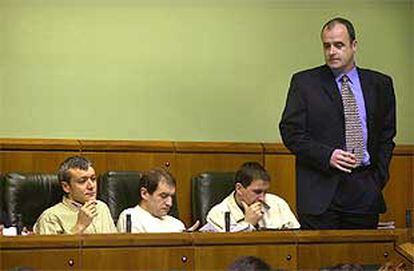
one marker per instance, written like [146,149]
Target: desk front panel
[200,251]
[138,258]
[41,259]
[317,255]
[218,257]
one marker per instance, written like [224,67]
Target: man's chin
[334,66]
[160,215]
[90,198]
[164,213]
[337,69]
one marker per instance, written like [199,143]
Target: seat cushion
[207,190]
[27,195]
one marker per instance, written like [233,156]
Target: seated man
[79,211]
[249,206]
[155,198]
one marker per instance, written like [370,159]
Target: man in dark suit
[342,158]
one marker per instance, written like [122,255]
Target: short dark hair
[249,263]
[338,20]
[250,171]
[151,178]
[73,162]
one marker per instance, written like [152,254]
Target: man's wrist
[78,229]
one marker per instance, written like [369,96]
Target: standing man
[339,121]
[80,211]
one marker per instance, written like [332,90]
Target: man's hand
[85,216]
[342,160]
[252,213]
[194,226]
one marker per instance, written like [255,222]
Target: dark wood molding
[39,144]
[33,144]
[219,147]
[126,146]
[275,148]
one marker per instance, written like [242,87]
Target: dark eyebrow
[84,178]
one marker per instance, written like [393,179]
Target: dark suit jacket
[312,126]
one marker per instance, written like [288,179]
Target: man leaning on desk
[249,206]
[80,211]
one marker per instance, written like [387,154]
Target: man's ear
[144,193]
[354,46]
[65,187]
[238,187]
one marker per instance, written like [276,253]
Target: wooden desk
[137,252]
[200,251]
[40,252]
[217,251]
[407,251]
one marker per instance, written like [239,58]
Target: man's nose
[169,201]
[332,50]
[260,197]
[90,184]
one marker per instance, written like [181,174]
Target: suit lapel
[331,89]
[367,91]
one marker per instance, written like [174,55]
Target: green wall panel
[179,70]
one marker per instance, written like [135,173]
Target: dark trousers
[356,205]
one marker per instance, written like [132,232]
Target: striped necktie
[353,128]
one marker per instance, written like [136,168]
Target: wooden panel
[42,259]
[221,256]
[341,236]
[40,252]
[246,238]
[191,164]
[126,145]
[283,180]
[278,248]
[327,248]
[138,258]
[33,161]
[39,241]
[105,161]
[156,251]
[136,239]
[406,250]
[39,144]
[315,256]
[398,192]
[218,147]
[201,251]
[275,148]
